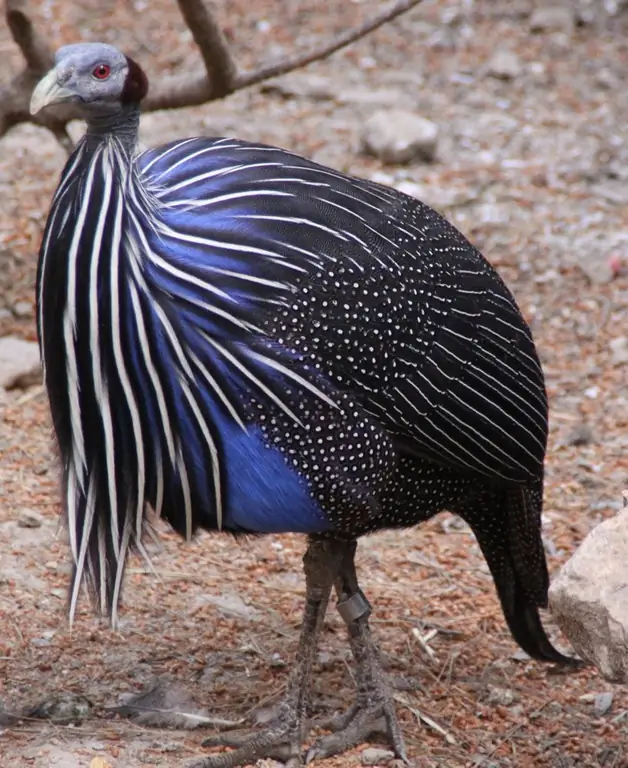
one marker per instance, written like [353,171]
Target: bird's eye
[101,72]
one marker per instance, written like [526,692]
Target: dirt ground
[534,170]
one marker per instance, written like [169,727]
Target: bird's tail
[507,525]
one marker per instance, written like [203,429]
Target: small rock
[553,18]
[589,598]
[603,703]
[580,434]
[22,309]
[596,266]
[500,697]
[368,96]
[504,65]
[301,86]
[619,350]
[28,518]
[436,197]
[606,78]
[376,756]
[614,191]
[20,364]
[233,605]
[399,137]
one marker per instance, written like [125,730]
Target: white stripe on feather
[251,377]
[160,154]
[289,374]
[208,202]
[80,561]
[123,376]
[153,375]
[100,388]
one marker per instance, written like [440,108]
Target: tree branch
[15,97]
[211,42]
[219,79]
[35,50]
[194,89]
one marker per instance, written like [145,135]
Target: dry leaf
[99,762]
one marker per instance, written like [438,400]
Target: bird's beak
[48,91]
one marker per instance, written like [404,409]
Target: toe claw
[366,725]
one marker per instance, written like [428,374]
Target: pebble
[20,364]
[619,350]
[28,518]
[301,86]
[596,267]
[580,434]
[377,756]
[498,696]
[603,703]
[399,137]
[378,97]
[504,65]
[553,18]
[23,309]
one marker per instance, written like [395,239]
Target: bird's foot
[367,721]
[373,715]
[281,739]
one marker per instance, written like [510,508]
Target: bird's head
[96,78]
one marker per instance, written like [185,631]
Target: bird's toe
[356,727]
[279,741]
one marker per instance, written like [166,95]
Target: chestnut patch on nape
[135,85]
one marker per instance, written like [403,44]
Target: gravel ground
[533,170]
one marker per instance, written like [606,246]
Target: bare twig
[211,42]
[265,72]
[423,641]
[15,97]
[422,717]
[219,79]
[192,90]
[34,48]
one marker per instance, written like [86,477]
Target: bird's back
[366,289]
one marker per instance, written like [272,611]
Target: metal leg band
[354,607]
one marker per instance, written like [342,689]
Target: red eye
[101,72]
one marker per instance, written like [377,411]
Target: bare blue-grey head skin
[98,82]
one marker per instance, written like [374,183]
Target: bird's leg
[283,737]
[373,714]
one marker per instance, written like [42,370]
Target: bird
[237,339]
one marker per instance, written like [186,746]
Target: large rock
[589,599]
[398,137]
[20,364]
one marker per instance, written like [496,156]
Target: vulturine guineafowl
[246,341]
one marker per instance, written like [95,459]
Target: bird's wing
[368,288]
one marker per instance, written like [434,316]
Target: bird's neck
[123,124]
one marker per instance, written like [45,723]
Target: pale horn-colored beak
[48,91]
